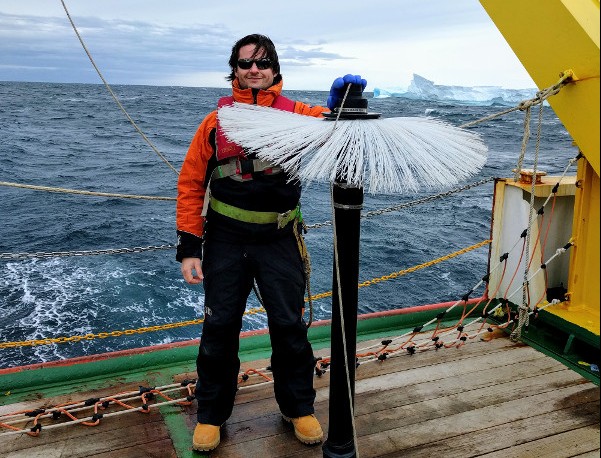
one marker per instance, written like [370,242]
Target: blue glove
[337,90]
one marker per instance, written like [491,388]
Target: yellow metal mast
[551,37]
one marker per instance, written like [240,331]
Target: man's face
[253,78]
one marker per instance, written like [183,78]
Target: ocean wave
[93,148]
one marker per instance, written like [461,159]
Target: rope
[253,311]
[525,105]
[86,193]
[490,117]
[384,351]
[525,306]
[502,261]
[525,139]
[145,394]
[542,95]
[100,335]
[413,203]
[58,254]
[369,214]
[558,252]
[304,252]
[113,95]
[379,355]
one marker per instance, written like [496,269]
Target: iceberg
[421,88]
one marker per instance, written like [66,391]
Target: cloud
[295,55]
[154,43]
[134,52]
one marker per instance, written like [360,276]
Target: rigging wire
[78,191]
[524,308]
[368,214]
[248,312]
[113,95]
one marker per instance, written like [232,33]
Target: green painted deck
[493,399]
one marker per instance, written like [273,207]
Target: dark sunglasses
[262,64]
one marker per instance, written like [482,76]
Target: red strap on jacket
[226,148]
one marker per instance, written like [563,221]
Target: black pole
[347,203]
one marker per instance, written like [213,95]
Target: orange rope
[516,269]
[253,371]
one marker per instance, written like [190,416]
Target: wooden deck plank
[593,454]
[519,438]
[157,449]
[578,442]
[390,389]
[419,433]
[421,418]
[423,399]
[488,399]
[248,408]
[415,370]
[98,441]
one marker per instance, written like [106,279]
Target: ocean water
[74,136]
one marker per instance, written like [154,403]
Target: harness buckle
[245,167]
[284,218]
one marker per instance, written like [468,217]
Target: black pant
[229,270]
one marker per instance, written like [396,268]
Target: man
[247,235]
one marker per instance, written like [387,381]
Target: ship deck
[487,398]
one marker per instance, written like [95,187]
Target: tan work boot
[206,437]
[306,429]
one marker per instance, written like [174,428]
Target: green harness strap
[282,219]
[250,216]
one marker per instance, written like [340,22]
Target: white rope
[525,139]
[524,308]
[113,95]
[106,415]
[81,406]
[78,191]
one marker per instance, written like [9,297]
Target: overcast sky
[188,42]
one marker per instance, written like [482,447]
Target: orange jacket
[191,183]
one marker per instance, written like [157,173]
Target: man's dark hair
[261,42]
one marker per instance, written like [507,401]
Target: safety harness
[232,164]
[250,216]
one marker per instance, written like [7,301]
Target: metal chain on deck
[372,213]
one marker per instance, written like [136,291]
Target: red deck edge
[186,343]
